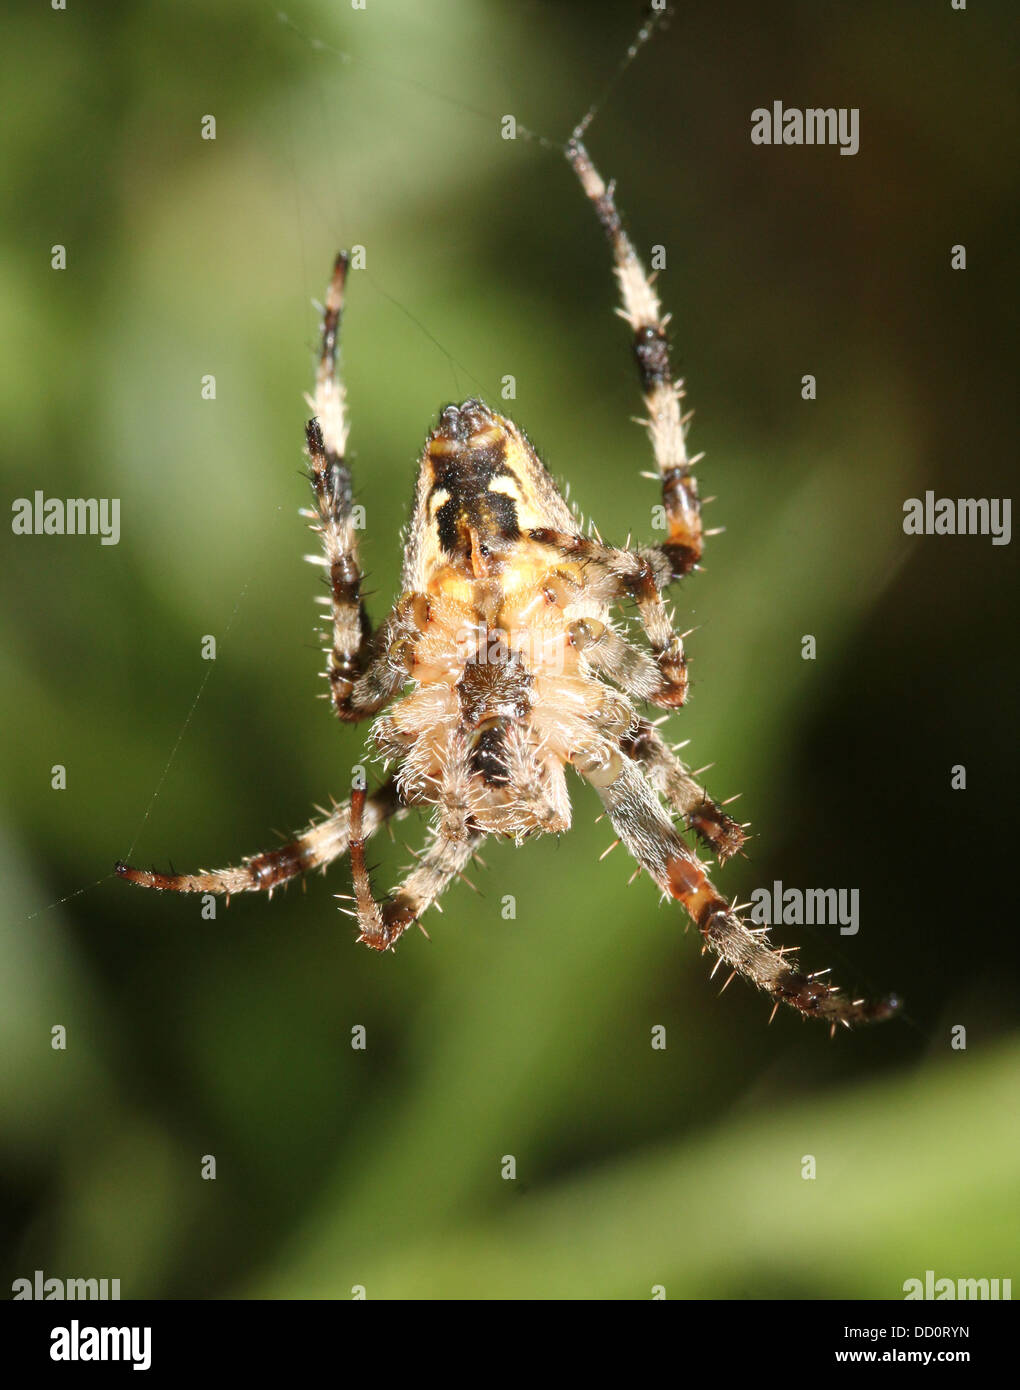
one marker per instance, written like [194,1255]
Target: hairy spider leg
[642,824]
[314,848]
[361,676]
[671,779]
[621,574]
[382,924]
[681,551]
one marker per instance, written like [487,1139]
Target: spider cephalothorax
[505,661]
[503,641]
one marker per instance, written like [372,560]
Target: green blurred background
[531,1037]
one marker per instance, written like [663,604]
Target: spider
[502,663]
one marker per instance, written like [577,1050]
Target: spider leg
[314,848]
[644,827]
[383,924]
[681,551]
[361,679]
[612,657]
[541,800]
[612,573]
[673,780]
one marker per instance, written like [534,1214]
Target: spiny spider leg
[681,551]
[334,499]
[668,775]
[314,848]
[609,654]
[625,573]
[361,679]
[382,925]
[632,803]
[644,827]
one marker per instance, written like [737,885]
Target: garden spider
[504,633]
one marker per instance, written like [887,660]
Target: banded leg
[382,925]
[625,573]
[666,426]
[644,827]
[356,684]
[673,780]
[314,848]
